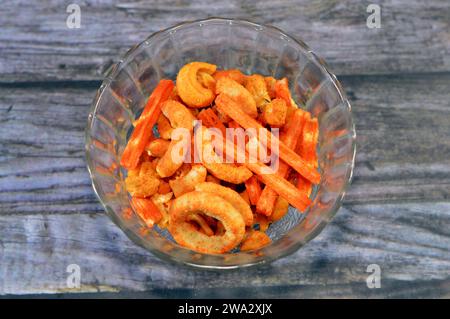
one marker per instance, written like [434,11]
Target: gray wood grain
[36,249]
[403,145]
[36,45]
[42,166]
[396,213]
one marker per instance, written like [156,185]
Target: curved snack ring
[231,196]
[179,117]
[173,158]
[211,205]
[190,89]
[228,172]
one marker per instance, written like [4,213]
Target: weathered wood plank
[49,216]
[391,289]
[403,124]
[42,166]
[403,149]
[410,243]
[36,45]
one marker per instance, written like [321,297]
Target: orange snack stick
[257,150]
[244,196]
[266,202]
[255,240]
[146,210]
[244,100]
[282,91]
[190,90]
[253,189]
[290,137]
[230,107]
[233,124]
[256,85]
[280,185]
[233,74]
[143,130]
[222,117]
[304,185]
[307,149]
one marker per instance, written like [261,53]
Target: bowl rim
[109,77]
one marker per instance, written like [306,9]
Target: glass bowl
[252,48]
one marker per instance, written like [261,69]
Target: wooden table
[396,213]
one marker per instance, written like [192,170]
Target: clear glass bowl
[227,43]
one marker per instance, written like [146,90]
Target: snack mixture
[219,156]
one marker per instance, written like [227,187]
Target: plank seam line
[96,83]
